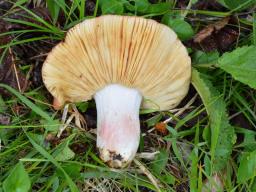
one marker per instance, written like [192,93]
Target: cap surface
[127,50]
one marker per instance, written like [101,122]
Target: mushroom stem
[118,125]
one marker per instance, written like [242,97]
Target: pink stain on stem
[119,131]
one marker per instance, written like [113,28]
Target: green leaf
[18,180]
[82,106]
[247,167]
[207,165]
[240,63]
[239,4]
[159,8]
[43,152]
[112,7]
[54,8]
[144,7]
[160,162]
[154,120]
[249,142]
[222,133]
[139,6]
[201,57]
[65,154]
[181,27]
[168,178]
[51,126]
[72,169]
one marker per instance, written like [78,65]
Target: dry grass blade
[151,177]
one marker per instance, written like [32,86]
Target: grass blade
[27,102]
[43,152]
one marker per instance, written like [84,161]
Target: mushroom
[124,63]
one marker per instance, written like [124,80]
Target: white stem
[118,125]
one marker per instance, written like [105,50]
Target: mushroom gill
[124,63]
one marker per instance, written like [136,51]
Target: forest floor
[207,143]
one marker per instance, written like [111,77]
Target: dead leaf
[208,30]
[216,36]
[213,185]
[226,37]
[79,148]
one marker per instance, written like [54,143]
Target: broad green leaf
[140,6]
[65,154]
[200,57]
[249,142]
[168,178]
[159,8]
[207,165]
[238,4]
[55,183]
[73,169]
[247,167]
[112,7]
[240,63]
[51,126]
[181,27]
[222,133]
[18,180]
[144,7]
[82,106]
[160,162]
[39,139]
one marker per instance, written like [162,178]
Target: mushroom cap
[127,50]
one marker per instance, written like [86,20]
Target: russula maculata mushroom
[119,61]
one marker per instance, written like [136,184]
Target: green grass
[215,135]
